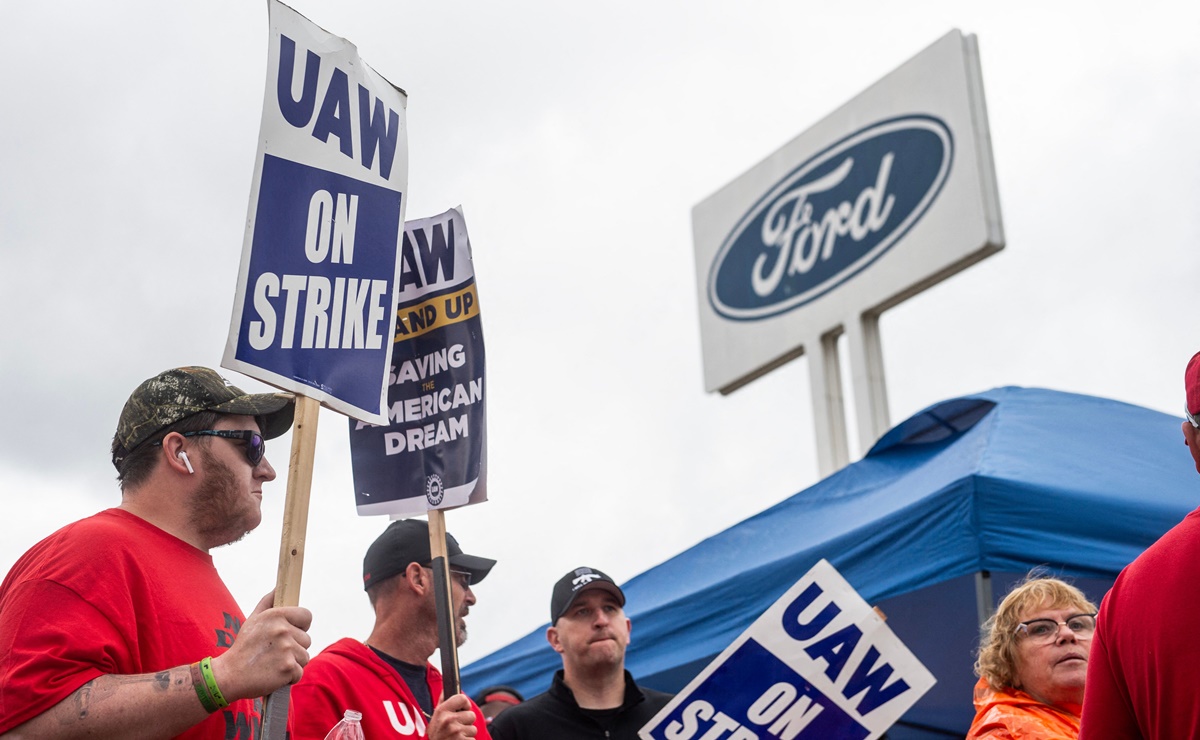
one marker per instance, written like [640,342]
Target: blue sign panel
[831,217]
[759,696]
[316,310]
[317,288]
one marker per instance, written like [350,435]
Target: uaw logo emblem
[434,491]
[831,217]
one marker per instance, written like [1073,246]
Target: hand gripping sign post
[433,454]
[317,282]
[820,664]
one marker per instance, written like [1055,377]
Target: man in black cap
[593,696]
[388,678]
[120,621]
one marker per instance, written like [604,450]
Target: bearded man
[118,626]
[388,677]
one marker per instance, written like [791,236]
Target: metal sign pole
[446,618]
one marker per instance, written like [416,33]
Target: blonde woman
[1032,663]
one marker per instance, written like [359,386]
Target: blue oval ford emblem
[831,217]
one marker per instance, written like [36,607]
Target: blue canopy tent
[1000,483]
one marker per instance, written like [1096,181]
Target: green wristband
[206,701]
[211,682]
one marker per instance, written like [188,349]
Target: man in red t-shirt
[118,625]
[1141,680]
[388,677]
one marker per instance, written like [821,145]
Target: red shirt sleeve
[43,659]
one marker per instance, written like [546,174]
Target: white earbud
[183,456]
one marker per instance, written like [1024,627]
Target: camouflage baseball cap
[174,395]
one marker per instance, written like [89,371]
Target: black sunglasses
[255,446]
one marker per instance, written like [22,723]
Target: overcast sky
[577,137]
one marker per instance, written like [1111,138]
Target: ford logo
[831,217]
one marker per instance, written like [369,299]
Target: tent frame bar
[983,596]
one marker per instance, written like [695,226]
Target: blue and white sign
[317,285]
[433,452]
[886,196]
[820,664]
[831,217]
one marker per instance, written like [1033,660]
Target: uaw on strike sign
[316,290]
[820,664]
[433,452]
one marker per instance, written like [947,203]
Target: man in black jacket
[593,696]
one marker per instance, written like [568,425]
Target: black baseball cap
[407,541]
[576,582]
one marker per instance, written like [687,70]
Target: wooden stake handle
[295,507]
[291,542]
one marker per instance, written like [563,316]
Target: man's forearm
[141,707]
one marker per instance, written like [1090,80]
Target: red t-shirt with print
[113,594]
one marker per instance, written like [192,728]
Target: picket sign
[818,664]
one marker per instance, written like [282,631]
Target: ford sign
[831,217]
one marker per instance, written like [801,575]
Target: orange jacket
[1011,714]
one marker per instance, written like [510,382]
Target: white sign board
[316,293]
[820,664]
[886,196]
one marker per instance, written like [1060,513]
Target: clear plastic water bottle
[348,729]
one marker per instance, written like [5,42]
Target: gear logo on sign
[434,492]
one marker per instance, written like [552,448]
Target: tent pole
[983,596]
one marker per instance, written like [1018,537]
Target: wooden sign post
[292,539]
[295,506]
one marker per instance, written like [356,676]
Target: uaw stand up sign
[432,454]
[820,664]
[886,196]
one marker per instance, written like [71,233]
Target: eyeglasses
[255,446]
[1045,631]
[1188,415]
[463,577]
